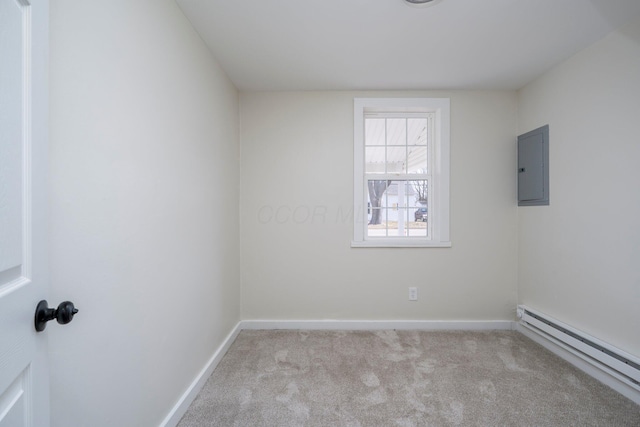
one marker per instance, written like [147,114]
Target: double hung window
[401,172]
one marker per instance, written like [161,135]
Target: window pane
[417,131]
[377,194]
[374,160]
[374,133]
[398,193]
[396,159]
[398,223]
[419,210]
[392,221]
[417,229]
[419,214]
[396,131]
[419,193]
[417,158]
[377,226]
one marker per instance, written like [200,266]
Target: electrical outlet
[413,294]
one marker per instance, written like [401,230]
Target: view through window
[397,173]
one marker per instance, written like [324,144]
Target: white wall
[144,170]
[296,193]
[579,257]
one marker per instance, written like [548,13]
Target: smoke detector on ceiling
[421,3]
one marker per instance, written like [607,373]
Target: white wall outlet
[413,294]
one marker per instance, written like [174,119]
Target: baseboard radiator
[600,354]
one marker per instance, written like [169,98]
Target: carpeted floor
[401,378]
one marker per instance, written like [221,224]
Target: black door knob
[63,314]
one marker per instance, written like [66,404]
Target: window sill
[389,243]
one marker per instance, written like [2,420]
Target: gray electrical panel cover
[533,167]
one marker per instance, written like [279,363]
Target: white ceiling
[387,44]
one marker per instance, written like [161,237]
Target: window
[401,172]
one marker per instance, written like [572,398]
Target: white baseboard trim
[176,413]
[599,372]
[369,325]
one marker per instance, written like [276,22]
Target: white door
[24,379]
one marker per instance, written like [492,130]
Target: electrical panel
[533,167]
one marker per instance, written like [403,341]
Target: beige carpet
[401,378]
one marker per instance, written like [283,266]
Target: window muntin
[401,172]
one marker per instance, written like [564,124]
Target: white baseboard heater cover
[593,350]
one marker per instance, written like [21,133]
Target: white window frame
[439,215]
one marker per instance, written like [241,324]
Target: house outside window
[401,172]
